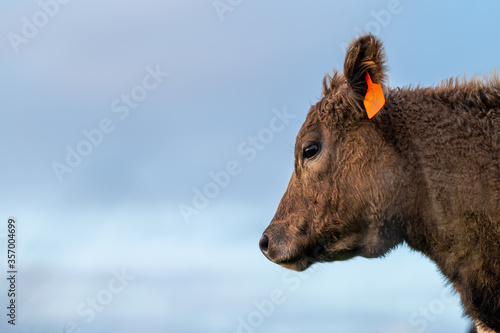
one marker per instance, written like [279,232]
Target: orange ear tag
[374,99]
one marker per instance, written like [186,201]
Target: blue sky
[220,79]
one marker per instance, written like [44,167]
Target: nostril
[264,243]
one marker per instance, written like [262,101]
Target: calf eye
[311,150]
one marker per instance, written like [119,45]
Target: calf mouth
[295,263]
[302,262]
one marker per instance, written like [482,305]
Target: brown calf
[424,171]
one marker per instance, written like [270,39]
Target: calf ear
[365,54]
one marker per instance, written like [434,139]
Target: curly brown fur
[425,171]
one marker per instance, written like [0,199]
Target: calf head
[344,197]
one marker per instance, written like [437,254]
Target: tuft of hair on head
[330,83]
